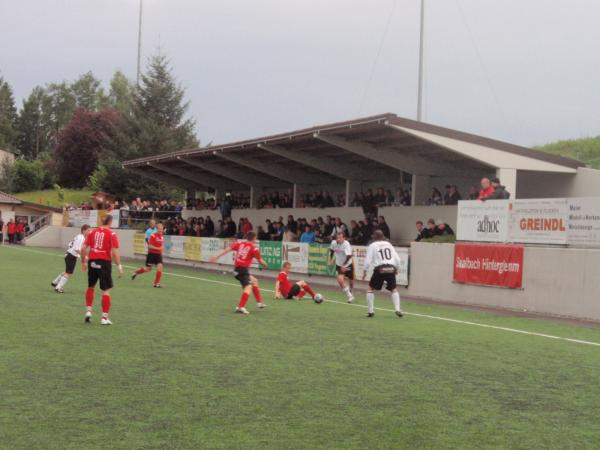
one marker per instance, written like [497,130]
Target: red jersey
[245,252]
[11,228]
[101,241]
[157,240]
[20,227]
[485,193]
[284,283]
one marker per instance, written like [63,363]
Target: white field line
[426,316]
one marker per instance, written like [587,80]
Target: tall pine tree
[89,93]
[8,117]
[159,122]
[121,94]
[33,131]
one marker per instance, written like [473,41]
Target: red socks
[244,300]
[157,277]
[140,270]
[105,303]
[89,297]
[256,293]
[301,294]
[308,289]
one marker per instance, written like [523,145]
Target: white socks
[57,279]
[396,300]
[62,282]
[346,291]
[371,302]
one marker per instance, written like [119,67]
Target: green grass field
[179,370]
[50,197]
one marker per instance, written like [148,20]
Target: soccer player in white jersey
[383,258]
[341,251]
[70,260]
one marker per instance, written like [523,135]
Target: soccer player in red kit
[154,257]
[245,252]
[104,247]
[285,289]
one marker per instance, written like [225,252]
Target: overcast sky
[524,71]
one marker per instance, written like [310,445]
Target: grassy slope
[179,370]
[50,197]
[586,150]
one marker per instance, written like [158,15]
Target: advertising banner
[80,217]
[210,247]
[318,260]
[139,244]
[192,248]
[539,221]
[483,221]
[583,223]
[489,264]
[101,214]
[297,254]
[173,247]
[271,253]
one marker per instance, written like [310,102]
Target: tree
[121,94]
[8,116]
[33,131]
[84,140]
[88,92]
[159,124]
[58,109]
[28,176]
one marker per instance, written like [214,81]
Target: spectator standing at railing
[246,226]
[308,237]
[338,227]
[277,232]
[444,229]
[262,234]
[435,199]
[473,193]
[486,188]
[422,231]
[452,196]
[1,231]
[383,226]
[500,192]
[225,207]
[20,234]
[209,227]
[291,224]
[11,229]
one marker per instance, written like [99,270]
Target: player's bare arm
[215,258]
[117,258]
[83,253]
[262,263]
[277,290]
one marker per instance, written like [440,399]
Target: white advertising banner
[174,247]
[583,224]
[80,217]
[539,221]
[483,221]
[359,254]
[297,254]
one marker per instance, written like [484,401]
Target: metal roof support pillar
[295,196]
[420,190]
[252,197]
[508,178]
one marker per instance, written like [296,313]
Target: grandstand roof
[374,148]
[9,199]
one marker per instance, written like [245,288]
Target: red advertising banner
[489,264]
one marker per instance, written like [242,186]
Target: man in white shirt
[341,251]
[383,258]
[71,256]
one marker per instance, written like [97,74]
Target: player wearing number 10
[104,246]
[384,260]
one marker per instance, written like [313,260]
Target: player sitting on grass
[154,256]
[70,260]
[285,289]
[245,252]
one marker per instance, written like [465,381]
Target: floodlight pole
[421,45]
[139,49]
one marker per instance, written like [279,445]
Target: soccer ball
[318,298]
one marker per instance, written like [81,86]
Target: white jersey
[341,252]
[75,245]
[381,253]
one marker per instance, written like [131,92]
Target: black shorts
[153,259]
[378,278]
[349,273]
[99,269]
[70,262]
[242,275]
[294,291]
